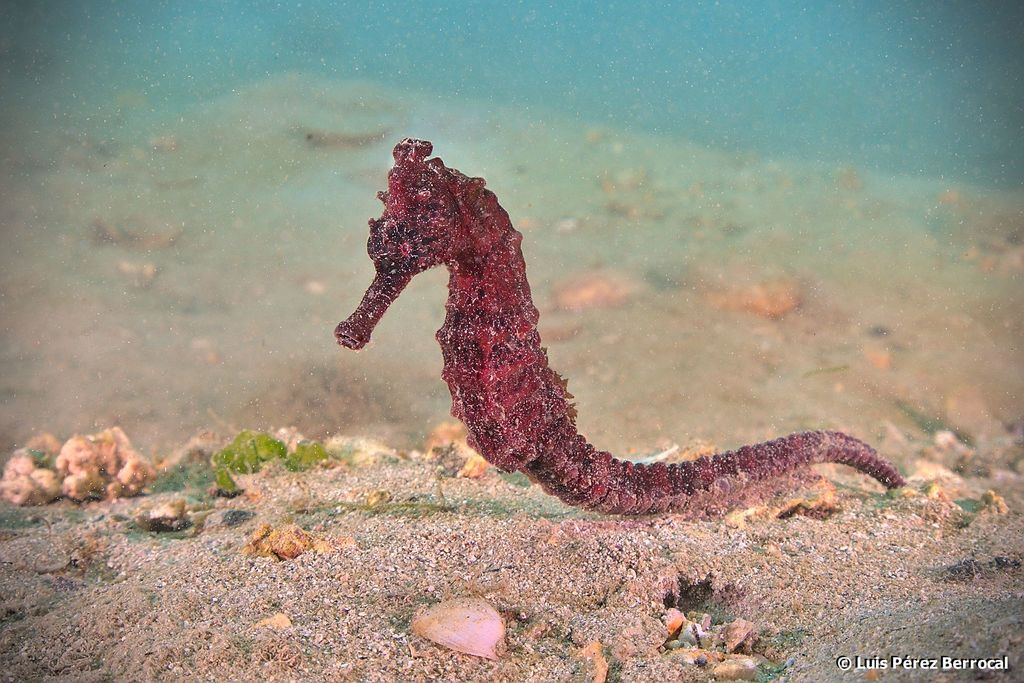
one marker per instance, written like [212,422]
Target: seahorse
[517,410]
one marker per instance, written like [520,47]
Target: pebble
[167,516]
[737,668]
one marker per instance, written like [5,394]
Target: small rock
[474,467]
[695,656]
[739,633]
[276,622]
[674,620]
[819,504]
[595,654]
[736,668]
[359,452]
[692,633]
[926,470]
[169,516]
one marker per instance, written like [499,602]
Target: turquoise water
[184,190]
[900,86]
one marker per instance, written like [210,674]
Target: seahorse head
[417,231]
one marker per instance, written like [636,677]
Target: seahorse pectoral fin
[354,332]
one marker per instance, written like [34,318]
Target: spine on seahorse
[516,408]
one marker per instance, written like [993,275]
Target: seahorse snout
[349,337]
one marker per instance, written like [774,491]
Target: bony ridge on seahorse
[517,409]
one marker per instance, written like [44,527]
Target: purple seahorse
[517,409]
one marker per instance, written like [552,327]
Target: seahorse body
[517,409]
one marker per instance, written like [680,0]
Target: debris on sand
[359,451]
[225,519]
[467,625]
[325,139]
[275,622]
[591,291]
[136,233]
[994,503]
[698,643]
[594,653]
[818,504]
[164,517]
[142,275]
[736,668]
[284,543]
[771,299]
[198,449]
[969,568]
[447,445]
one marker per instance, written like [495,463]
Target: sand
[178,273]
[88,596]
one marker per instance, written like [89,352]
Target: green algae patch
[250,451]
[307,454]
[245,455]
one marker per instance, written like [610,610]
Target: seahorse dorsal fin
[564,384]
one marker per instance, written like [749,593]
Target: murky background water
[739,220]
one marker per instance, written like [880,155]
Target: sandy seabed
[180,274]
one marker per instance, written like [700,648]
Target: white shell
[467,625]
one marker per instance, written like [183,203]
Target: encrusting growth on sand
[104,465]
[516,408]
